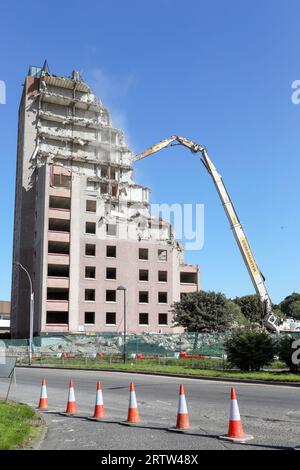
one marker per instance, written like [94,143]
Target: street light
[124,332]
[31,310]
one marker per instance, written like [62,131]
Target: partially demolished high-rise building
[82,224]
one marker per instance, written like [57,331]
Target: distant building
[4,315]
[82,224]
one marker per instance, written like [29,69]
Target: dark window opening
[143,253]
[54,293]
[162,318]
[59,318]
[188,278]
[162,276]
[90,227]
[91,205]
[143,275]
[58,270]
[162,297]
[59,225]
[89,318]
[111,273]
[59,247]
[110,318]
[111,296]
[143,319]
[111,251]
[89,295]
[90,272]
[143,297]
[90,249]
[56,202]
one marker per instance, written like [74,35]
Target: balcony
[59,225]
[58,271]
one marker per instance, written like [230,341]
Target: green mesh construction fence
[147,344]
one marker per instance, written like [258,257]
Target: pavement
[270,413]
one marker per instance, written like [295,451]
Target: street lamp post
[31,310]
[124,329]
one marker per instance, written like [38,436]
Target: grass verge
[179,367]
[19,424]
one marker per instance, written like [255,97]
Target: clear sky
[218,72]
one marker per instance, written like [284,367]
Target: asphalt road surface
[270,413]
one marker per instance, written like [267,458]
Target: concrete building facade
[82,224]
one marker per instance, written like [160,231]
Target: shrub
[250,350]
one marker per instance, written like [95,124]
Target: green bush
[285,352]
[250,350]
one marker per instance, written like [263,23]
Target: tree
[237,318]
[206,312]
[250,350]
[290,306]
[250,307]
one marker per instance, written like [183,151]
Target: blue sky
[218,72]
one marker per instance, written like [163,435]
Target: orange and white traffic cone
[235,428]
[133,413]
[183,421]
[99,412]
[43,403]
[71,405]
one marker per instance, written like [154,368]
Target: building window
[91,205]
[143,297]
[162,297]
[143,253]
[62,181]
[162,276]
[110,318]
[143,275]
[188,278]
[162,255]
[110,296]
[111,273]
[90,249]
[57,202]
[58,318]
[111,230]
[143,319]
[162,318]
[90,227]
[90,272]
[89,318]
[91,185]
[89,295]
[111,251]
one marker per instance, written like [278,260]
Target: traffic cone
[99,406]
[183,421]
[43,403]
[235,428]
[133,413]
[71,405]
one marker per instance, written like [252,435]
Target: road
[270,413]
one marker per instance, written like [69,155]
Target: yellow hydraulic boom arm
[269,319]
